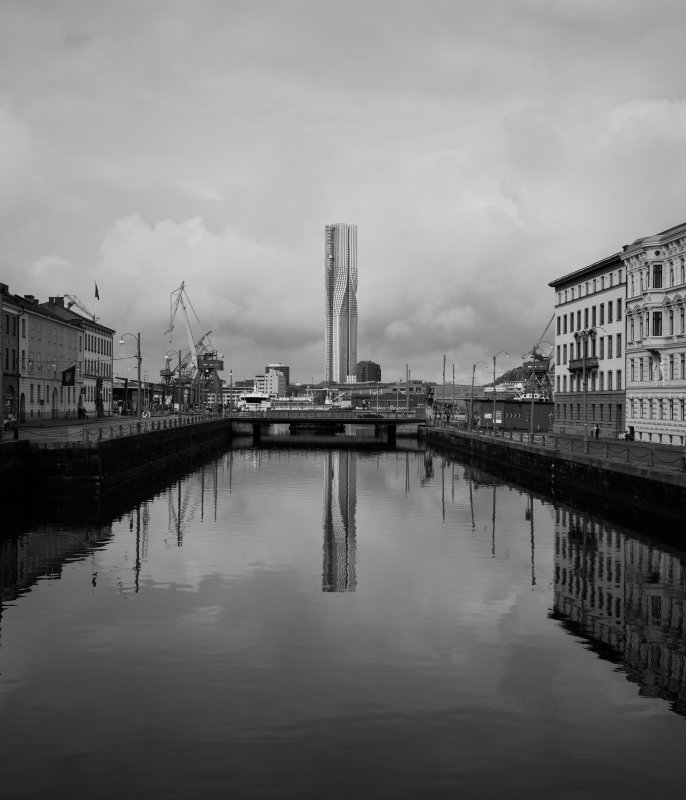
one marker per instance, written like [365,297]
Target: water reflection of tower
[340,500]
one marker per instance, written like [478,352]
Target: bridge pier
[256,433]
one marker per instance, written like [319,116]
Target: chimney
[57,301]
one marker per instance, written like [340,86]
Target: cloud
[482,152]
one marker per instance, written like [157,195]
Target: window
[619,345]
[602,313]
[682,358]
[585,318]
[557,354]
[619,309]
[609,347]
[602,347]
[657,276]
[671,368]
[564,353]
[609,380]
[593,315]
[609,311]
[602,382]
[681,314]
[559,322]
[578,320]
[657,323]
[619,379]
[671,323]
[564,322]
[632,367]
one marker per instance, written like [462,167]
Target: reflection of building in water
[628,597]
[42,553]
[340,500]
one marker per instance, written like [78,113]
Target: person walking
[596,431]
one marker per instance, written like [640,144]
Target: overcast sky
[482,148]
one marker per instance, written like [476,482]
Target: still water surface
[338,624]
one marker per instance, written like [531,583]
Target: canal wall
[91,469]
[607,482]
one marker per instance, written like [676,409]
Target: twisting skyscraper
[340,336]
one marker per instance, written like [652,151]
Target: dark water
[340,624]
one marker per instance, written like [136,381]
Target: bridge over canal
[385,423]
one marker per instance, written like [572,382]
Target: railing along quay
[641,454]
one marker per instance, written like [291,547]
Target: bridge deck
[341,416]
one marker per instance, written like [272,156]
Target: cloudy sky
[482,148]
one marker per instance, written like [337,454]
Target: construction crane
[538,367]
[73,300]
[202,362]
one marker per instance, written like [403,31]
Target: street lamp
[583,337]
[501,352]
[137,337]
[471,399]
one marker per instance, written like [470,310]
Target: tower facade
[340,277]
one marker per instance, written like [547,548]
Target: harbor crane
[73,300]
[199,368]
[538,367]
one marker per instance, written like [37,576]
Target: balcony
[577,364]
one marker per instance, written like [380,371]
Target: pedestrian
[596,430]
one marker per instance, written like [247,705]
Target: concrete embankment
[592,476]
[92,469]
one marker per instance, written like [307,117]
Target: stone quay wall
[98,467]
[590,475]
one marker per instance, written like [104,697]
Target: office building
[282,368]
[340,276]
[367,371]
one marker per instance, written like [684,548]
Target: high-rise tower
[340,277]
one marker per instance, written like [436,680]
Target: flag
[69,376]
[97,293]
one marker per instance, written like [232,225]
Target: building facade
[656,336]
[340,279]
[57,361]
[95,357]
[367,371]
[280,368]
[272,383]
[589,349]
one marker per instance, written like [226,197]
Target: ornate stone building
[656,336]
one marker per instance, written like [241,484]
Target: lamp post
[501,352]
[137,337]
[583,336]
[471,399]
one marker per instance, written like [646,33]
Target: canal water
[338,623]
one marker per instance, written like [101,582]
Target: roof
[597,266]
